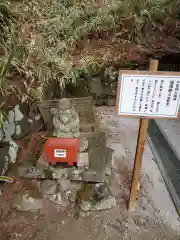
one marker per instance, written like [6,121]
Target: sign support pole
[143,125]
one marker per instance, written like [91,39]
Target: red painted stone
[63,150]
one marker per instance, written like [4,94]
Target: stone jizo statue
[65,120]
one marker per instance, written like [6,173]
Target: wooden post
[143,125]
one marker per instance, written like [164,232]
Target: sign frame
[147,73]
[142,133]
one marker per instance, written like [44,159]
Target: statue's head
[65,110]
[64,104]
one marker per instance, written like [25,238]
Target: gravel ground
[154,216]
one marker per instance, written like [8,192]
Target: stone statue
[65,120]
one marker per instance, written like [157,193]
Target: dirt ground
[154,216]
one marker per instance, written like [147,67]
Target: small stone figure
[65,120]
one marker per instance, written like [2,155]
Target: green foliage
[5,62]
[47,33]
[6,179]
[6,19]
[2,118]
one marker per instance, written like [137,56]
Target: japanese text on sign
[149,95]
[61,153]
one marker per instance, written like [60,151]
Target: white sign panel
[60,153]
[149,95]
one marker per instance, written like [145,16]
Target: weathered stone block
[48,187]
[83,160]
[41,163]
[27,203]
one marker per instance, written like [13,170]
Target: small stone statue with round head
[65,120]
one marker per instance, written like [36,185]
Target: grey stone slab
[65,184]
[83,160]
[41,163]
[33,172]
[48,187]
[60,198]
[97,153]
[85,176]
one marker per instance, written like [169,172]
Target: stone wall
[15,127]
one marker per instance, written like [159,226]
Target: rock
[120,153]
[7,131]
[65,184]
[84,214]
[58,172]
[18,130]
[11,117]
[33,172]
[101,191]
[98,198]
[9,127]
[83,160]
[41,163]
[13,150]
[97,87]
[26,203]
[83,144]
[85,176]
[13,154]
[60,198]
[22,124]
[18,116]
[37,117]
[86,206]
[48,187]
[99,101]
[110,157]
[111,102]
[76,185]
[102,205]
[105,204]
[30,121]
[22,128]
[97,153]
[71,195]
[108,171]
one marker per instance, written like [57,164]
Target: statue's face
[65,115]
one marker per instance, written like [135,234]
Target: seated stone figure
[65,120]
